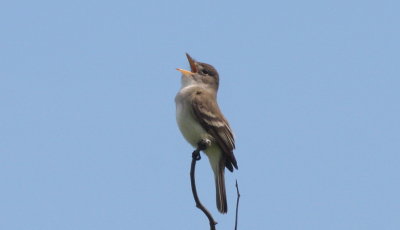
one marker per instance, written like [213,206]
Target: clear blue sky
[88,137]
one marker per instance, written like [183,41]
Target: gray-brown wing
[213,121]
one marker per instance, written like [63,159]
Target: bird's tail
[217,162]
[220,189]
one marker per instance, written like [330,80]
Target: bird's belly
[189,127]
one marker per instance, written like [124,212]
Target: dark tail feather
[220,188]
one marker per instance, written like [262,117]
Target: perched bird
[200,120]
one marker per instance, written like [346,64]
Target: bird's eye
[205,72]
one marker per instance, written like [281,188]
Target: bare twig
[237,204]
[196,157]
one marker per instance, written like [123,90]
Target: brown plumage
[199,117]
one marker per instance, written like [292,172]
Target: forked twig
[237,204]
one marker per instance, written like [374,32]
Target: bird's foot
[203,144]
[196,155]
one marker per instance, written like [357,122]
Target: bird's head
[200,73]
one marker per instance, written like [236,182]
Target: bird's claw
[196,155]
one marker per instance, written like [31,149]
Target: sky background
[88,137]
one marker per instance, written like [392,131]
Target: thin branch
[196,157]
[237,204]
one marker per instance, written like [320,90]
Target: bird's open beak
[184,72]
[192,66]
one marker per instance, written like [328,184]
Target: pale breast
[190,128]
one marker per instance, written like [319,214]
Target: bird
[200,120]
